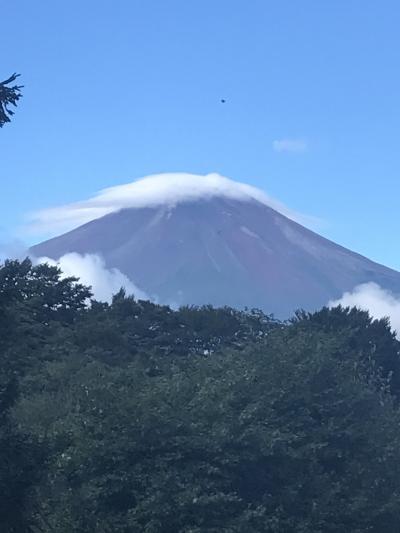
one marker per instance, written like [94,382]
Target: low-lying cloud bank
[91,270]
[371,297]
[150,191]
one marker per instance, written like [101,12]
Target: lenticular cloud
[158,189]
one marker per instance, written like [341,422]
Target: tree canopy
[130,416]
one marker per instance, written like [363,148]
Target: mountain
[222,249]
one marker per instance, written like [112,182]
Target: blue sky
[119,90]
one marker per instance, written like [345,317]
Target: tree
[9,96]
[41,291]
[130,416]
[370,338]
[21,462]
[281,438]
[35,303]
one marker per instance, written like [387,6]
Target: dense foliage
[131,417]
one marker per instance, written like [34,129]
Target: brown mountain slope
[224,252]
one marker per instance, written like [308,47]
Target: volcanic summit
[187,239]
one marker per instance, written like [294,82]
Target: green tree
[282,438]
[34,304]
[21,463]
[361,335]
[130,416]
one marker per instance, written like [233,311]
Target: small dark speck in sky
[223,100]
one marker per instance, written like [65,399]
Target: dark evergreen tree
[9,96]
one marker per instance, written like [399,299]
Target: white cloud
[91,270]
[294,146]
[371,297]
[158,189]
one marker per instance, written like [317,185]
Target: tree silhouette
[9,96]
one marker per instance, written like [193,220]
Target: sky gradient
[119,90]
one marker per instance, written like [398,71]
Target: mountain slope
[222,251]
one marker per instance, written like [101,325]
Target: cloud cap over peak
[151,191]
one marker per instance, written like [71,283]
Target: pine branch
[9,96]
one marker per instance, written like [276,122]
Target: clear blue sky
[115,90]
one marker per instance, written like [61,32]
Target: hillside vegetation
[131,417]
